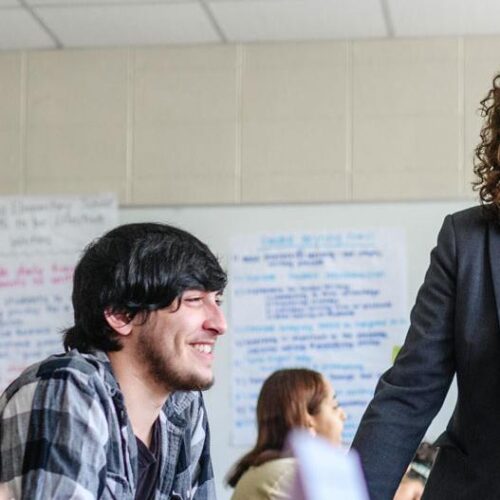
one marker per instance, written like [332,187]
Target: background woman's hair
[285,400]
[487,153]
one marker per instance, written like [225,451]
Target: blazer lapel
[494,255]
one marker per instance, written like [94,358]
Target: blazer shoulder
[469,219]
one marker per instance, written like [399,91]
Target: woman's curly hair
[487,153]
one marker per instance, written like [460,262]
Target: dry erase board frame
[217,224]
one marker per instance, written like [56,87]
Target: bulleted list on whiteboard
[42,239]
[331,301]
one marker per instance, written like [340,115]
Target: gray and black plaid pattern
[64,433]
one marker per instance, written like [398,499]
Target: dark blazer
[454,330]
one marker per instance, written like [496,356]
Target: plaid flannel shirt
[64,433]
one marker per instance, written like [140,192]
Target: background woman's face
[329,421]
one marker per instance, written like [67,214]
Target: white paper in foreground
[325,472]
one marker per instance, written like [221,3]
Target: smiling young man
[120,414]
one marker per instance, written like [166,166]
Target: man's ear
[120,322]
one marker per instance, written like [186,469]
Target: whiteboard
[216,225]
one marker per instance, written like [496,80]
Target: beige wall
[291,122]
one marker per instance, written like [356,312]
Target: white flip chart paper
[41,240]
[333,301]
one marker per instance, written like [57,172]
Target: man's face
[176,344]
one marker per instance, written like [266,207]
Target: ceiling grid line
[70,24]
[387,18]
[59,4]
[31,11]
[211,18]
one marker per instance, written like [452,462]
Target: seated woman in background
[292,398]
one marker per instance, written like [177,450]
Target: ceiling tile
[444,17]
[299,19]
[118,25]
[86,3]
[20,30]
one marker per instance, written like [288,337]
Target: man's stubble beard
[161,367]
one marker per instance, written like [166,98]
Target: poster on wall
[41,241]
[334,302]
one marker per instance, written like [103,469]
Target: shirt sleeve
[409,395]
[53,439]
[203,485]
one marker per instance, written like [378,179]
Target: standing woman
[454,330]
[289,399]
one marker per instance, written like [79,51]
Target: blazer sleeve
[409,395]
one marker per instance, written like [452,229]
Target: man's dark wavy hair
[135,269]
[487,153]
